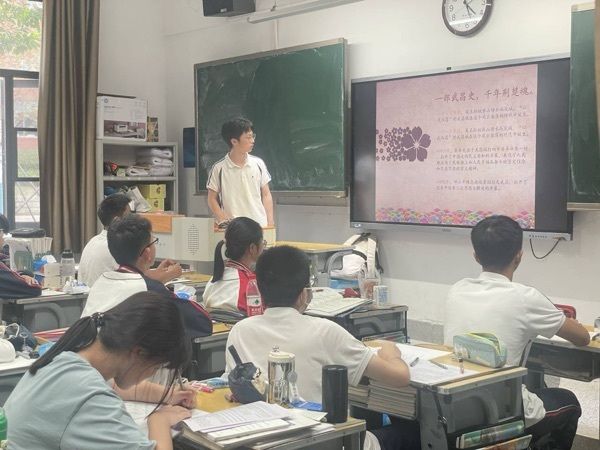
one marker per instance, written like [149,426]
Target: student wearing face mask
[283,274]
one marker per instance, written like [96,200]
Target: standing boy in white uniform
[238,184]
[516,314]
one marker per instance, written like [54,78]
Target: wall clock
[466,17]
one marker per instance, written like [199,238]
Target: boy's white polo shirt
[314,341]
[240,187]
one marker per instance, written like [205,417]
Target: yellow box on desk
[156,204]
[153,190]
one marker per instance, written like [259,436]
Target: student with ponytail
[243,244]
[66,399]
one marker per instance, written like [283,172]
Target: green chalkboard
[584,148]
[296,99]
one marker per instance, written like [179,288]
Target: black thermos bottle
[335,393]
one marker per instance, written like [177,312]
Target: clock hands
[468,5]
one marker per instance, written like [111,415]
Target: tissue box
[121,118]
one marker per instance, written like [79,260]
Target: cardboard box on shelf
[121,118]
[157,204]
[153,190]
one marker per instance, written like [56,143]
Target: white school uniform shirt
[315,342]
[239,188]
[512,311]
[95,259]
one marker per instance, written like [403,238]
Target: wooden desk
[444,409]
[321,256]
[196,280]
[348,436]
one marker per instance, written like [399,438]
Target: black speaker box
[227,8]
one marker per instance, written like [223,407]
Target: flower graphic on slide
[415,144]
[402,144]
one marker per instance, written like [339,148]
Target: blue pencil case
[480,348]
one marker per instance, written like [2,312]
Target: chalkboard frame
[584,149]
[202,168]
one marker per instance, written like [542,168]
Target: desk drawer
[370,323]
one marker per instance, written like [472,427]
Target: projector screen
[444,150]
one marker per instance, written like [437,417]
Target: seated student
[283,274]
[96,258]
[132,245]
[13,285]
[65,400]
[516,314]
[227,288]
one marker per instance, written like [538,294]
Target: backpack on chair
[364,253]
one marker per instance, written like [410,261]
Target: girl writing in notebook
[67,398]
[243,244]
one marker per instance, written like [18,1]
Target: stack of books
[401,402]
[495,435]
[246,425]
[359,395]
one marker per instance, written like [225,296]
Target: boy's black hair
[111,207]
[234,128]
[496,241]
[127,238]
[239,235]
[281,273]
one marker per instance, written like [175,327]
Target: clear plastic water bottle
[67,266]
[253,301]
[3,425]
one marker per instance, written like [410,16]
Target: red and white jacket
[229,293]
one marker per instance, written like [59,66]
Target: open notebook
[328,302]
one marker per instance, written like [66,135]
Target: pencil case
[480,348]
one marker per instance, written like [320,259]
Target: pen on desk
[438,364]
[414,362]
[461,366]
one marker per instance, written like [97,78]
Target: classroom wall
[385,37]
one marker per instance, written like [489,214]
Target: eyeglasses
[252,137]
[154,241]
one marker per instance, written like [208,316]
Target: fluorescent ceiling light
[296,8]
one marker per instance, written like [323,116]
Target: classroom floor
[589,398]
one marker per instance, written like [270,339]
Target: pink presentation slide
[454,148]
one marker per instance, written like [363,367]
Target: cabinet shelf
[123,153]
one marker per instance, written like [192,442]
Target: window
[20,47]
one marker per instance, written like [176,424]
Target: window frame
[10,157]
